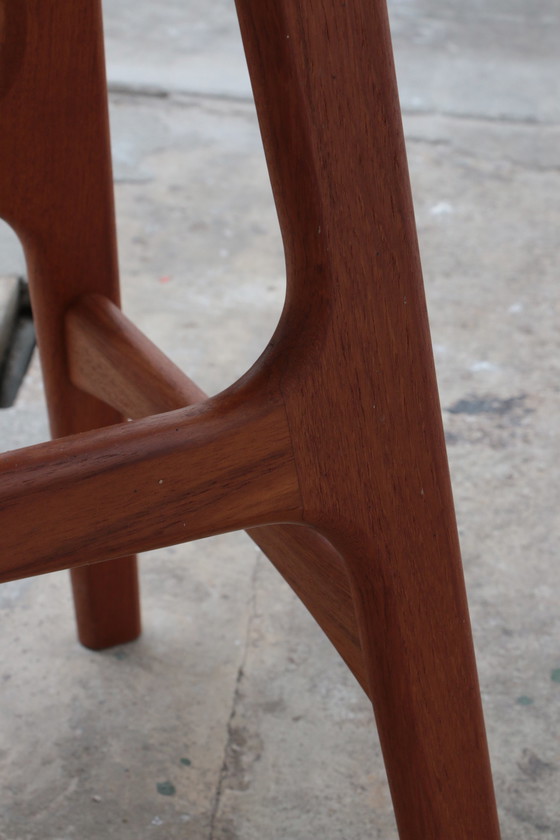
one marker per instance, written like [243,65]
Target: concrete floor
[232,718]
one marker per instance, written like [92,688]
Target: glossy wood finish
[111,359]
[221,466]
[56,192]
[361,398]
[337,426]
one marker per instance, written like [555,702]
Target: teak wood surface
[56,192]
[330,449]
[112,360]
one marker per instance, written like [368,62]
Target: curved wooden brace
[110,358]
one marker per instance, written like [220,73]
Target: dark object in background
[17,348]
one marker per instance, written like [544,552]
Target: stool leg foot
[424,687]
[107,603]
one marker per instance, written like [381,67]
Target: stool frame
[330,450]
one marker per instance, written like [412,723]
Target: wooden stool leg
[56,192]
[107,603]
[415,633]
[361,396]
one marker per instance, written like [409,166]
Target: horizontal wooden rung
[111,359]
[222,466]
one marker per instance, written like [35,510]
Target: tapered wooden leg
[422,678]
[361,397]
[56,192]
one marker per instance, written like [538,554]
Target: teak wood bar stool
[329,450]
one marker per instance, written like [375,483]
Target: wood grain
[337,426]
[110,358]
[360,392]
[179,476]
[56,192]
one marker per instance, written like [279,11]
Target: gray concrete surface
[232,719]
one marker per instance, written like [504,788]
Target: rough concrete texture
[232,719]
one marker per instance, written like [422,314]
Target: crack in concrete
[459,16]
[428,141]
[143,91]
[148,91]
[539,169]
[235,701]
[479,155]
[505,119]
